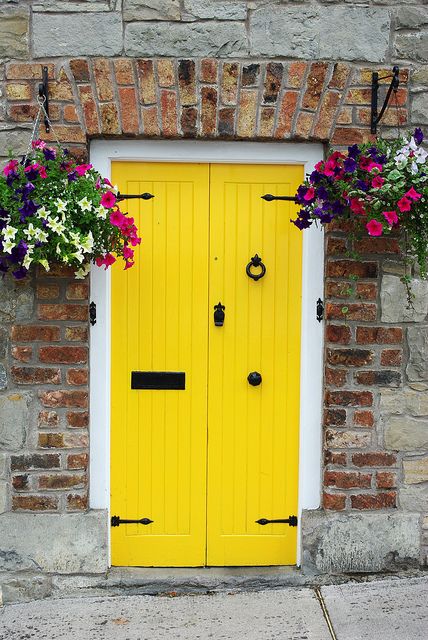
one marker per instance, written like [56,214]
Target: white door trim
[102,153]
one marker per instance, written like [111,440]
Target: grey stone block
[77,34]
[420,109]
[420,76]
[3,378]
[394,300]
[404,401]
[411,17]
[14,23]
[151,10]
[360,33]
[4,461]
[13,421]
[4,492]
[413,46]
[417,367]
[213,9]
[4,337]
[15,140]
[66,543]
[415,470]
[23,588]
[414,497]
[359,542]
[11,561]
[186,39]
[64,6]
[403,433]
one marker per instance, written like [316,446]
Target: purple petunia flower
[20,273]
[28,209]
[418,136]
[27,189]
[362,185]
[19,252]
[11,177]
[354,152]
[349,165]
[50,154]
[326,217]
[72,176]
[322,193]
[32,174]
[315,177]
[302,223]
[337,208]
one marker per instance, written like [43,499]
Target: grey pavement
[394,609]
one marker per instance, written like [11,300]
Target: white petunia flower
[8,245]
[61,206]
[45,264]
[88,243]
[78,255]
[31,231]
[56,225]
[27,261]
[41,235]
[84,204]
[101,212]
[42,212]
[83,271]
[9,233]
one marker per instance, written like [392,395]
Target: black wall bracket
[375,117]
[44,96]
[269,197]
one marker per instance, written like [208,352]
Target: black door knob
[254,378]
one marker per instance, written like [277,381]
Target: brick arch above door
[204,99]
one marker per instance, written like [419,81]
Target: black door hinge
[116,521]
[291,521]
[320,309]
[93,313]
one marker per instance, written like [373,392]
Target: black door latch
[219,314]
[116,521]
[291,521]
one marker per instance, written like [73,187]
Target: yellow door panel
[253,430]
[159,323]
[206,462]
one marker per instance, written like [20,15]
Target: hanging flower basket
[379,187]
[53,210]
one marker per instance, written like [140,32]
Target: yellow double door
[198,447]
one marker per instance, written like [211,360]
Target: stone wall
[220,69]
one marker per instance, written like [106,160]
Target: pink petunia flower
[374,165]
[365,162]
[413,194]
[81,169]
[128,264]
[117,218]
[42,172]
[108,199]
[374,228]
[107,260]
[10,167]
[377,182]
[38,144]
[107,181]
[404,204]
[357,206]
[128,253]
[310,194]
[390,216]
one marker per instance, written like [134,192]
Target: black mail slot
[158,380]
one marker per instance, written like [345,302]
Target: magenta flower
[404,204]
[42,172]
[310,194]
[357,206]
[106,260]
[377,182]
[390,216]
[374,228]
[108,199]
[81,169]
[117,218]
[413,194]
[128,253]
[10,167]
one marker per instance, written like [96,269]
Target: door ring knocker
[256,261]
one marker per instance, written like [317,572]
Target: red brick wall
[50,357]
[362,357]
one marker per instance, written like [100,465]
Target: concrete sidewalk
[394,609]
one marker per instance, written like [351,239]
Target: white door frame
[102,153]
